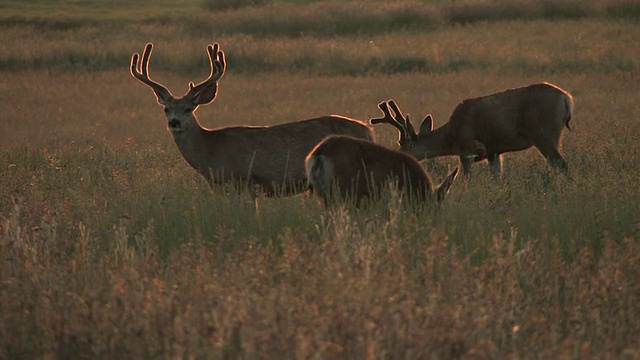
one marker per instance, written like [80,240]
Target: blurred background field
[113,247]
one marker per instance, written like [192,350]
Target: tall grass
[363,290]
[116,248]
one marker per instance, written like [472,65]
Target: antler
[387,118]
[142,73]
[397,120]
[408,126]
[218,65]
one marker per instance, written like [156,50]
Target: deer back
[352,168]
[511,120]
[272,157]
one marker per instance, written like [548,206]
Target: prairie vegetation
[113,247]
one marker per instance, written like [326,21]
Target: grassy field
[113,247]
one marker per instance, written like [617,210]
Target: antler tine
[405,121]
[218,64]
[142,72]
[389,119]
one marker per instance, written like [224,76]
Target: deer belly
[508,145]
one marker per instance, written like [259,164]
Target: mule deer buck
[268,159]
[485,127]
[349,168]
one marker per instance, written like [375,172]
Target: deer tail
[319,174]
[568,104]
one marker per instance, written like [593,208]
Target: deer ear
[444,188]
[427,125]
[159,98]
[206,95]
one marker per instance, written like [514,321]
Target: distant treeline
[262,19]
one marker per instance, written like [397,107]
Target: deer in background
[268,159]
[488,126]
[349,168]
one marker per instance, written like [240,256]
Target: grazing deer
[356,169]
[269,159]
[485,127]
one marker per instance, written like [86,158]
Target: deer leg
[470,152]
[495,165]
[466,161]
[550,152]
[480,150]
[556,160]
[256,189]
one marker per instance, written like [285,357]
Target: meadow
[112,246]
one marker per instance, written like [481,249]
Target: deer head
[408,139]
[180,111]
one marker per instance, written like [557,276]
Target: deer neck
[439,143]
[195,145]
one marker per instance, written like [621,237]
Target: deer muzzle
[174,124]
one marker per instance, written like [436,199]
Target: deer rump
[353,169]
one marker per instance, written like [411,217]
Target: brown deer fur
[269,159]
[488,126]
[350,168]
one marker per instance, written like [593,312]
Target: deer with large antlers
[488,126]
[267,159]
[343,167]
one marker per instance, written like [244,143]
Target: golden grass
[356,292]
[113,247]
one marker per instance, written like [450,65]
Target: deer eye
[166,111]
